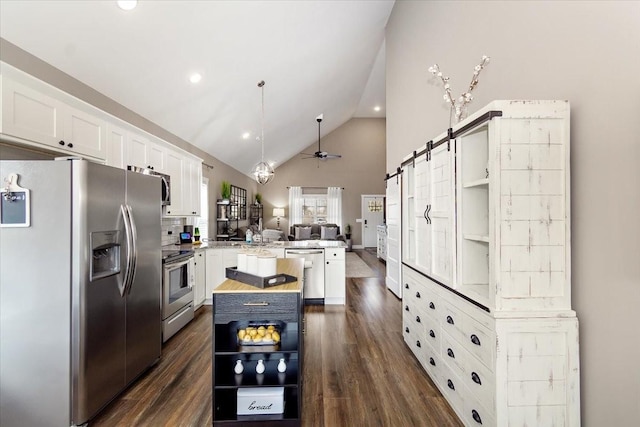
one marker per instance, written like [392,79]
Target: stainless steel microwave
[166,181]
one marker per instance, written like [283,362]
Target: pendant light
[262,172]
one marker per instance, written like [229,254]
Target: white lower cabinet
[199,289]
[334,276]
[494,371]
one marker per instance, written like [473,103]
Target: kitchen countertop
[308,244]
[291,266]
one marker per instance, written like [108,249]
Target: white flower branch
[459,105]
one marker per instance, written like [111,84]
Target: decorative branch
[459,105]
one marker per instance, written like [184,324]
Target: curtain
[334,206]
[295,205]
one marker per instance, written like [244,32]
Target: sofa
[315,232]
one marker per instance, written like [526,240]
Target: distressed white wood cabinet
[486,265]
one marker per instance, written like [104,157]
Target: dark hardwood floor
[357,370]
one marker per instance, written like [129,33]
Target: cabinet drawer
[414,338]
[452,388]
[477,415]
[432,362]
[333,254]
[452,320]
[274,305]
[479,341]
[432,332]
[480,381]
[453,353]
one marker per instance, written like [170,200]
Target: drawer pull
[61,142]
[417,294]
[406,329]
[418,319]
[476,378]
[256,304]
[431,333]
[406,308]
[406,286]
[418,344]
[450,320]
[432,306]
[450,353]
[475,339]
[476,416]
[432,362]
[450,385]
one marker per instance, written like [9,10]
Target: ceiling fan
[320,155]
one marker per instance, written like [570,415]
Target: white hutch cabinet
[486,266]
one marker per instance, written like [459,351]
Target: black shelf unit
[227,224]
[255,214]
[232,312]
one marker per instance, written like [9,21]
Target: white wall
[589,53]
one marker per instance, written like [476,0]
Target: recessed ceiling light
[246,135]
[195,78]
[127,4]
[376,108]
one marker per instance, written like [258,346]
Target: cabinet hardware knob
[406,308]
[475,339]
[406,286]
[476,378]
[450,320]
[406,329]
[450,353]
[432,306]
[417,294]
[432,334]
[450,385]
[418,319]
[432,362]
[476,416]
[61,142]
[256,304]
[418,344]
[70,145]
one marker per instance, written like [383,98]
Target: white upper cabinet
[116,146]
[145,153]
[39,114]
[175,166]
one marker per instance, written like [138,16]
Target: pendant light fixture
[262,172]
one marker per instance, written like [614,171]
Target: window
[202,222]
[314,209]
[375,205]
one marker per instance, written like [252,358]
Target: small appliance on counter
[186,234]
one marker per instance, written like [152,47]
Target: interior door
[372,217]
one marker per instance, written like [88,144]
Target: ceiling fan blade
[332,156]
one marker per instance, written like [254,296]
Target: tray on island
[258,281]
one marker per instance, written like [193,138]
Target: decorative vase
[239,368]
[282,367]
[260,367]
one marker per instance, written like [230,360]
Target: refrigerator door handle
[128,270]
[134,248]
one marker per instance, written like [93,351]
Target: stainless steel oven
[178,278]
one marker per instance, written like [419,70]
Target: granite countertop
[310,244]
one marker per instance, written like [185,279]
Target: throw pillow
[303,233]
[328,233]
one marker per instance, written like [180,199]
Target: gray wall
[589,53]
[361,142]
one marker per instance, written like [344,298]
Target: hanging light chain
[261,85]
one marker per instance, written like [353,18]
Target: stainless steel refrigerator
[80,314]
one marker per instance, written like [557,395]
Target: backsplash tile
[175,225]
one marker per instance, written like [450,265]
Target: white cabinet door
[156,157]
[31,115]
[422,195]
[200,285]
[84,133]
[334,276]
[137,151]
[214,272]
[440,214]
[116,146]
[174,168]
[192,178]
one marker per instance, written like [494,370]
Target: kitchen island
[239,307]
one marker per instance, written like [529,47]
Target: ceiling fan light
[263,173]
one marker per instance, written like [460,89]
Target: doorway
[372,216]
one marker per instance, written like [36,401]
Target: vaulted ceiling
[315,57]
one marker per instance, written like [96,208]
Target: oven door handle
[177,264]
[311,252]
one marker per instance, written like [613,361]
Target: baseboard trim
[357,247]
